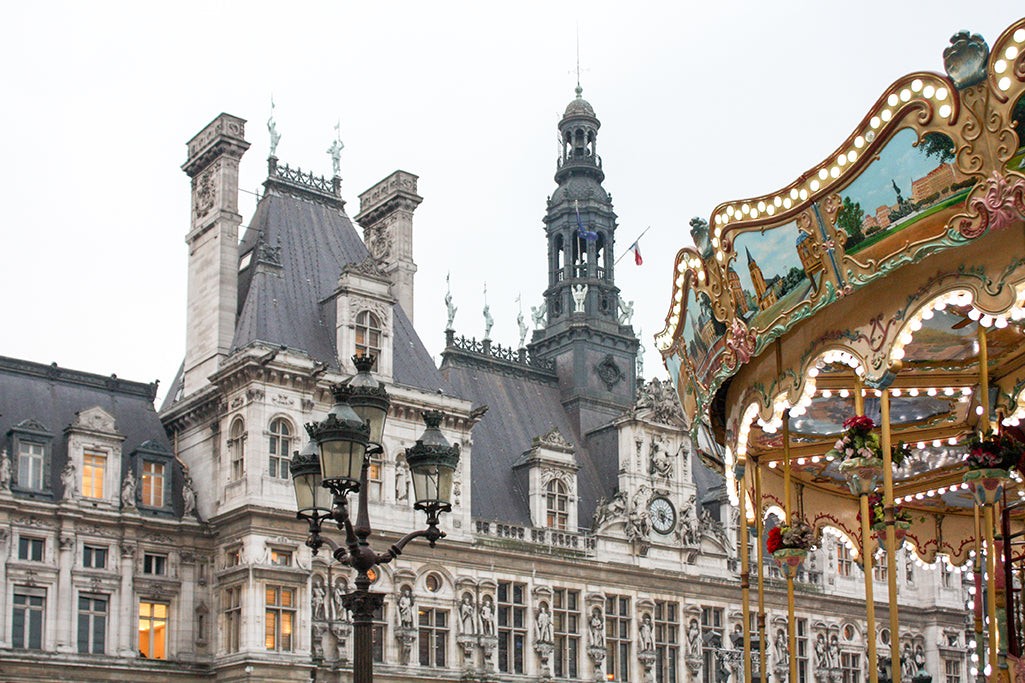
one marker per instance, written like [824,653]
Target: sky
[699,103]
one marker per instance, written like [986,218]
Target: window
[433,583]
[617,637]
[566,632]
[237,448]
[280,616]
[844,561]
[850,666]
[433,637]
[94,467]
[280,447]
[711,640]
[374,477]
[380,626]
[153,484]
[94,557]
[30,548]
[802,650]
[92,624]
[27,618]
[154,564]
[233,557]
[951,671]
[512,628]
[667,641]
[31,457]
[153,630]
[281,558]
[368,335]
[879,569]
[945,576]
[232,609]
[556,505]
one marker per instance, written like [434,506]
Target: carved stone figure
[779,650]
[626,312]
[128,490]
[317,599]
[5,471]
[821,656]
[908,668]
[544,624]
[637,522]
[661,463]
[834,653]
[596,629]
[610,510]
[538,313]
[338,599]
[579,295]
[275,136]
[693,640]
[448,304]
[405,608]
[523,329]
[640,354]
[487,616]
[335,150]
[188,497]
[467,611]
[646,634]
[68,479]
[401,482]
[488,320]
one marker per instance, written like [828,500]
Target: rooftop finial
[272,128]
[579,90]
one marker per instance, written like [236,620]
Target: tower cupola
[578,133]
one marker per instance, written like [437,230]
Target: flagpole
[631,246]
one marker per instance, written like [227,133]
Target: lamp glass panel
[341,459]
[374,416]
[433,483]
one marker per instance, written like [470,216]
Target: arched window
[279,447]
[368,334]
[557,505]
[237,448]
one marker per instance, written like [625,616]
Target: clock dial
[662,515]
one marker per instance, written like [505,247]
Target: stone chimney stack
[214,155]
[386,216]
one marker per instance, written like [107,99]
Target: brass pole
[791,622]
[859,397]
[891,538]
[991,593]
[977,571]
[870,603]
[745,574]
[983,380]
[759,530]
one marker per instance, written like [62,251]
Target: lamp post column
[363,604]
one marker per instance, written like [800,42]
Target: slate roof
[51,396]
[520,407]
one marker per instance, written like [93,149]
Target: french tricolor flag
[636,249]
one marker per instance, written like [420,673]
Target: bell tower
[595,356]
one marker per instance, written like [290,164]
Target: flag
[583,233]
[636,249]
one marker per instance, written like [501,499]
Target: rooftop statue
[272,128]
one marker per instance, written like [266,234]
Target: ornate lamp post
[336,462]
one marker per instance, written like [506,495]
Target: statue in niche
[68,480]
[401,482]
[821,654]
[405,608]
[646,634]
[188,497]
[780,652]
[467,611]
[908,669]
[5,471]
[538,313]
[693,640]
[449,306]
[128,490]
[834,653]
[317,598]
[626,312]
[579,296]
[661,464]
[596,629]
[544,624]
[689,521]
[487,614]
[337,599]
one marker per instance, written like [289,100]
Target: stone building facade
[587,541]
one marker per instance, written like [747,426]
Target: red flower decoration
[860,422]
[775,541]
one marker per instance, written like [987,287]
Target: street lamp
[337,461]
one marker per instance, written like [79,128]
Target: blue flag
[583,233]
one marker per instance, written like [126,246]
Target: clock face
[662,515]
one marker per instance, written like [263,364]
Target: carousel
[855,341]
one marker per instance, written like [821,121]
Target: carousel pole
[866,558]
[891,537]
[791,622]
[980,643]
[745,571]
[988,516]
[759,529]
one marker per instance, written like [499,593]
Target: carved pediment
[367,268]
[553,440]
[31,425]
[95,419]
[657,399]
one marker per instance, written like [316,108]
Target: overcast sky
[699,103]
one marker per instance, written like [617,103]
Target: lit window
[154,564]
[556,505]
[368,335]
[94,557]
[153,484]
[153,630]
[374,476]
[281,558]
[30,549]
[433,637]
[234,557]
[232,618]
[279,446]
[94,465]
[27,618]
[92,624]
[280,616]
[237,449]
[30,465]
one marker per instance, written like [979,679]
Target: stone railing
[498,352]
[547,540]
[298,179]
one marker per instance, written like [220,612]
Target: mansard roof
[294,250]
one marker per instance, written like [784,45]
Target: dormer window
[557,505]
[31,459]
[94,468]
[153,484]
[368,334]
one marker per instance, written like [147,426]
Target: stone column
[186,648]
[4,556]
[126,605]
[65,598]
